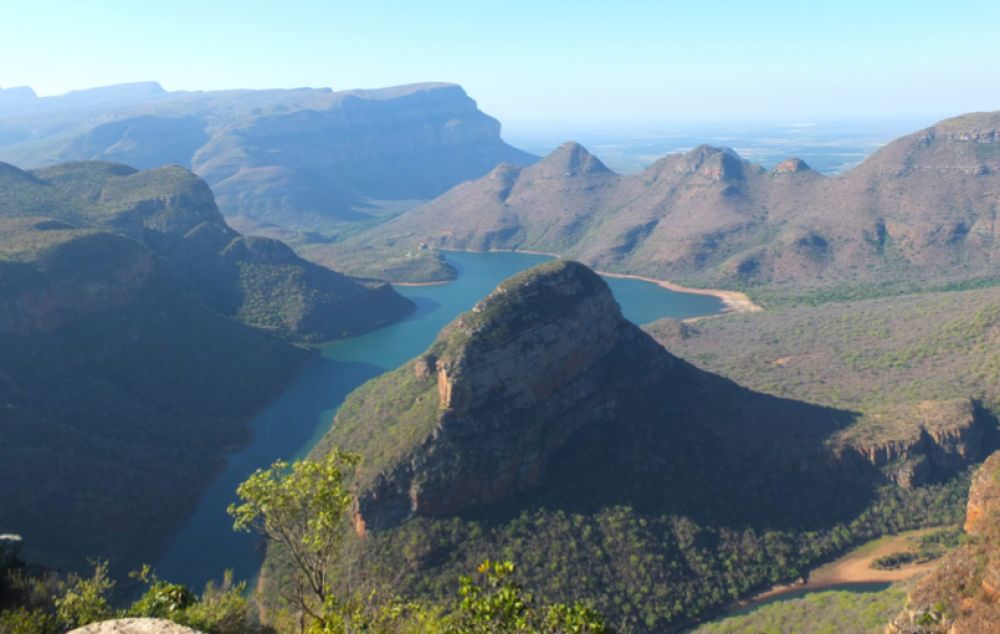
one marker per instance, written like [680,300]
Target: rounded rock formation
[135,626]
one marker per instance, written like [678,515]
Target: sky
[608,63]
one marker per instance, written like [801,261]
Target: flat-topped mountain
[301,158]
[919,210]
[139,335]
[543,423]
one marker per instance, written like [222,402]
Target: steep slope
[173,212]
[920,210]
[961,595]
[302,158]
[542,426]
[139,335]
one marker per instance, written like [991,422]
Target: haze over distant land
[585,61]
[829,147]
[299,158]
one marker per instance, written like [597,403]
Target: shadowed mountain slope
[139,333]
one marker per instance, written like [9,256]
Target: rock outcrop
[514,380]
[135,626]
[962,595]
[10,548]
[926,441]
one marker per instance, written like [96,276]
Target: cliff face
[962,596]
[541,358]
[298,157]
[937,440]
[920,208]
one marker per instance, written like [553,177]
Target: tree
[493,603]
[301,508]
[85,600]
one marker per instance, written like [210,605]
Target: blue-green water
[291,425]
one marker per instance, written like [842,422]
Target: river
[289,427]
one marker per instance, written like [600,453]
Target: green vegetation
[868,356]
[928,548]
[140,333]
[403,402]
[136,408]
[46,604]
[494,602]
[406,266]
[301,508]
[835,612]
[646,573]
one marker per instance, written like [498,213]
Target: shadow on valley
[714,452]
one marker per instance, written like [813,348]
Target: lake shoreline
[733,301]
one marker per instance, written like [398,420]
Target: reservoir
[289,427]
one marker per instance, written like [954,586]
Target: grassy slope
[880,356]
[817,613]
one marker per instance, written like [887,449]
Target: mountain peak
[791,166]
[704,151]
[490,396]
[572,159]
[714,163]
[544,293]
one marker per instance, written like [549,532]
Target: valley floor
[855,568]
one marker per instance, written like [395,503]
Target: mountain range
[922,210]
[302,158]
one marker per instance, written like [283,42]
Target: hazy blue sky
[582,61]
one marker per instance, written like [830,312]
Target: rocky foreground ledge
[135,626]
